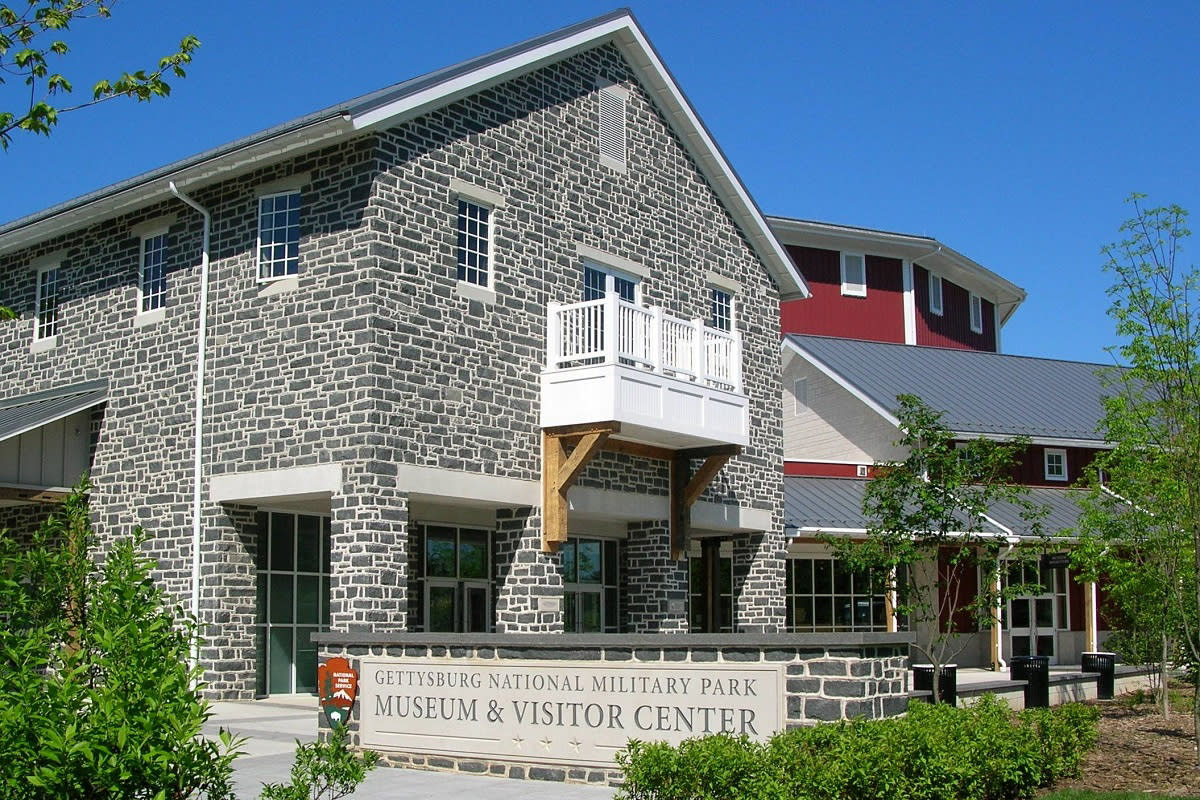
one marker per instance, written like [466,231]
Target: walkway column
[529,587]
[758,581]
[368,584]
[1090,617]
[656,585]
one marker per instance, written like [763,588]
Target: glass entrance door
[1033,619]
[293,600]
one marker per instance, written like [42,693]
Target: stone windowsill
[42,345]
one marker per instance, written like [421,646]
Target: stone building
[488,351]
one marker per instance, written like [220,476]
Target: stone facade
[372,357]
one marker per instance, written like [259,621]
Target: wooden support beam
[703,477]
[687,487]
[560,470]
[716,450]
[32,495]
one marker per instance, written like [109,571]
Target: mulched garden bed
[1140,751]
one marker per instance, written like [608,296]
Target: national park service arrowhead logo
[338,684]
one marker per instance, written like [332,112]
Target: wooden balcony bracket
[686,487]
[561,469]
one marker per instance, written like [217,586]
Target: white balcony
[668,381]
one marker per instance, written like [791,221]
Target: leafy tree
[1152,477]
[96,696]
[928,533]
[32,38]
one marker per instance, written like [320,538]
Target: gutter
[198,454]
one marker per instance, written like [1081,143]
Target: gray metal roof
[982,393]
[21,414]
[832,504]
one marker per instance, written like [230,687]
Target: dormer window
[854,274]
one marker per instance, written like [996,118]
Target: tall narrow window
[474,240]
[722,309]
[800,395]
[612,132]
[457,583]
[278,235]
[854,275]
[590,581]
[935,294]
[154,272]
[976,313]
[47,303]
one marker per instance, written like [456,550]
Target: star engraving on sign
[546,744]
[575,743]
[517,742]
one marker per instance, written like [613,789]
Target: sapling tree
[928,535]
[1149,503]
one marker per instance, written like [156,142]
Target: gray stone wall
[654,585]
[374,359]
[525,577]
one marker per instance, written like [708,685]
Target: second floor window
[854,274]
[278,235]
[154,272]
[935,294]
[1056,464]
[722,309]
[46,324]
[474,225]
[598,282]
[976,314]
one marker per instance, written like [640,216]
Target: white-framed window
[722,308]
[1055,459]
[854,274]
[46,321]
[454,585]
[935,294]
[474,243]
[599,280]
[976,313]
[612,124]
[152,287]
[824,595]
[278,235]
[591,579]
[800,395]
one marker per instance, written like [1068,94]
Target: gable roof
[404,101]
[979,393]
[924,251]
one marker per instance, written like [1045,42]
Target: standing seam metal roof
[21,414]
[978,392]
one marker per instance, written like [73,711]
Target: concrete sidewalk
[272,727]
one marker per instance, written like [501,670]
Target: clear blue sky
[1012,132]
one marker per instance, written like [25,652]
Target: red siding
[1075,602]
[953,327]
[817,469]
[1031,470]
[878,317]
[967,577]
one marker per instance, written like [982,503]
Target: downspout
[997,630]
[197,461]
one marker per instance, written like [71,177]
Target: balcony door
[600,280]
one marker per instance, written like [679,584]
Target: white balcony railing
[612,331]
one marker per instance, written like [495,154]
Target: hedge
[935,752]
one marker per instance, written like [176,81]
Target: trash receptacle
[1035,671]
[1105,664]
[948,683]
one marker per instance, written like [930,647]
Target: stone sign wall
[559,707]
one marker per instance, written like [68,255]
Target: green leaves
[323,770]
[25,52]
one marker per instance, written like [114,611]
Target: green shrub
[935,752]
[323,771]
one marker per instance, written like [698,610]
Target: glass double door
[292,600]
[1035,618]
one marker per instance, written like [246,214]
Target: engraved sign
[559,712]
[338,684]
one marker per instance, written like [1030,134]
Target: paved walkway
[271,728]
